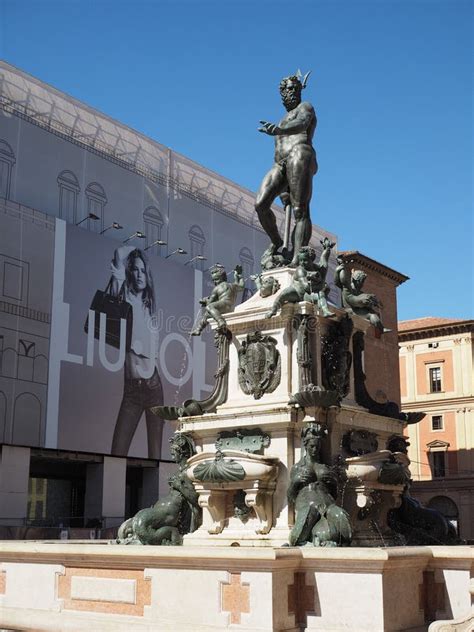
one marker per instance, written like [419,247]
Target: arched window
[447,507]
[27,420]
[197,242]
[26,358]
[153,222]
[68,193]
[96,201]
[7,160]
[246,261]
[40,369]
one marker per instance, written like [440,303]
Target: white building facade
[68,173]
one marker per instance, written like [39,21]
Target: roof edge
[354,256]
[437,330]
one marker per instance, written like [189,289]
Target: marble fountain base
[56,586]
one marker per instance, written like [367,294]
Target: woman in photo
[142,385]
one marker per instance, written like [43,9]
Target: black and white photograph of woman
[142,384]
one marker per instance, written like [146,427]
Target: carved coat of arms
[259,365]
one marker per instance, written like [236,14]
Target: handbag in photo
[115,308]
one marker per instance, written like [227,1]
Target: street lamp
[88,216]
[178,251]
[137,234]
[115,225]
[197,257]
[158,242]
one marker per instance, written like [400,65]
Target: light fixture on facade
[158,242]
[138,234]
[92,216]
[115,225]
[178,251]
[196,258]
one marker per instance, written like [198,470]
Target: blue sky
[391,85]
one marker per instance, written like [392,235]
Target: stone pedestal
[304,371]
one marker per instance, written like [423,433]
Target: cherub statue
[313,490]
[309,281]
[170,517]
[354,300]
[222,298]
[266,285]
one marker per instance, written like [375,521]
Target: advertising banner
[120,345]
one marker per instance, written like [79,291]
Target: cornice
[354,256]
[466,401]
[437,331]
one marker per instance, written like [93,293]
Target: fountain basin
[232,466]
[217,476]
[367,467]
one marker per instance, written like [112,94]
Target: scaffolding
[42,105]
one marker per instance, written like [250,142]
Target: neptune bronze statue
[291,176]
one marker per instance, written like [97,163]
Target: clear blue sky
[392,87]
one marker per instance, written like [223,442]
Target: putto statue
[354,300]
[292,174]
[172,516]
[309,281]
[222,298]
[313,490]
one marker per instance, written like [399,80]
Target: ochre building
[436,376]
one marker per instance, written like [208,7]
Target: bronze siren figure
[313,490]
[170,517]
[291,176]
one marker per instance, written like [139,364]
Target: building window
[27,420]
[68,194]
[153,228]
[246,261]
[435,379]
[7,160]
[26,360]
[37,497]
[197,242]
[439,464]
[96,201]
[14,279]
[437,422]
